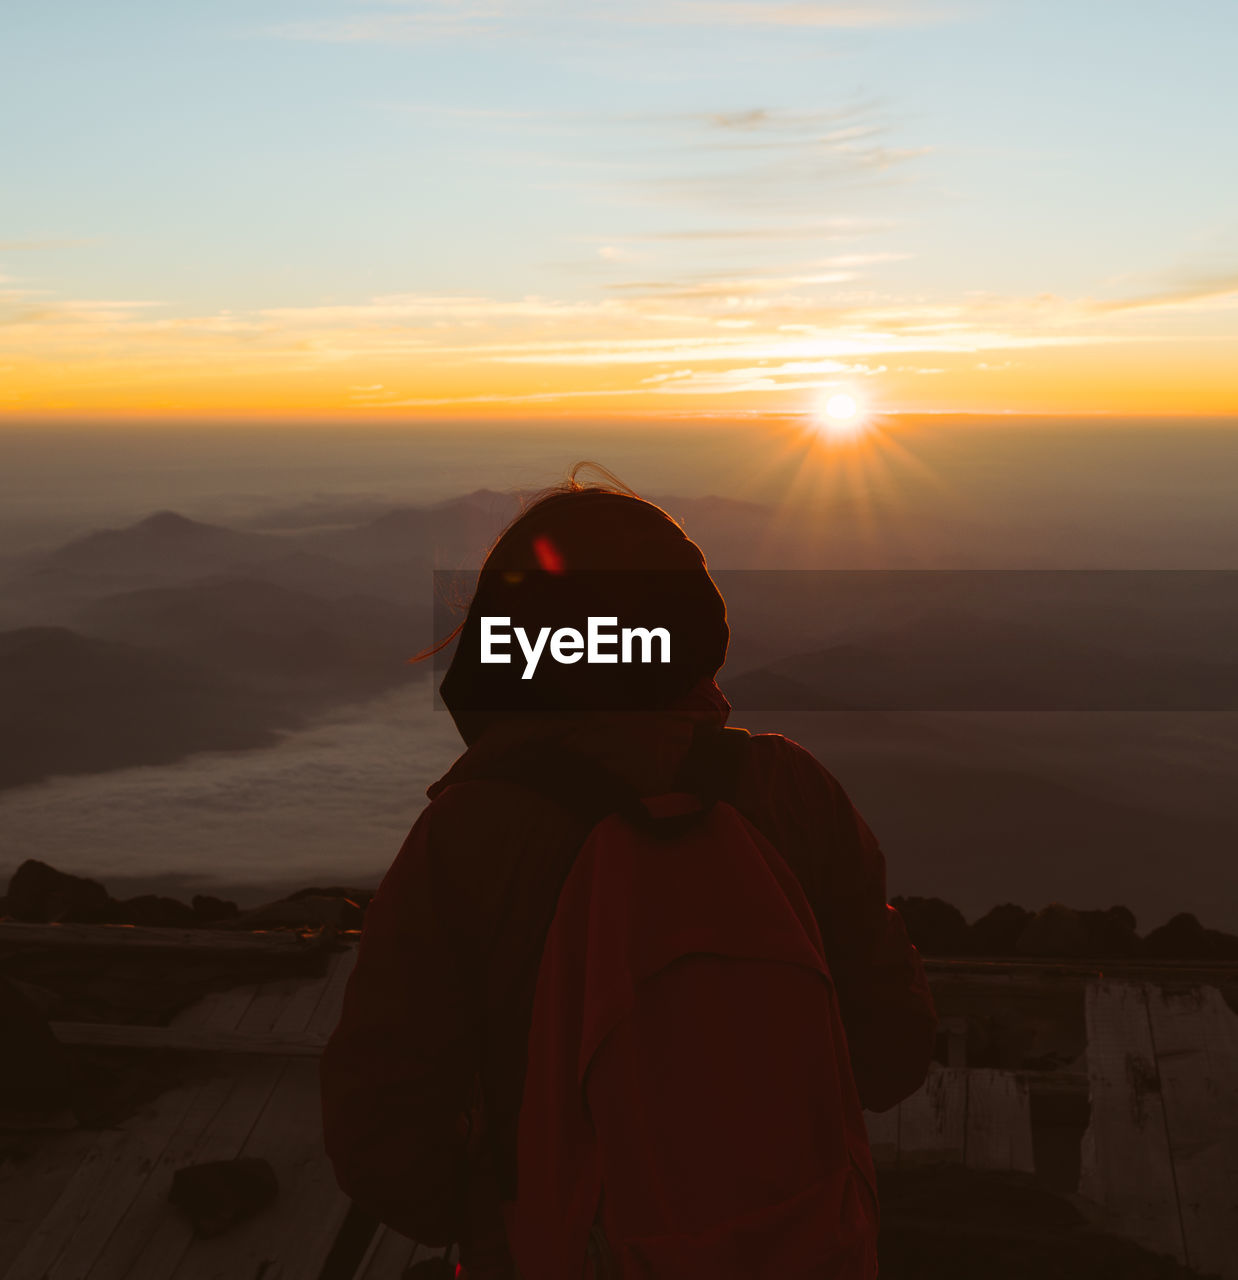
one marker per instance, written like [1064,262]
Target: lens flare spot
[548,555]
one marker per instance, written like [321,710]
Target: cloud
[34,246]
[755,13]
[829,229]
[728,287]
[654,337]
[781,165]
[427,20]
[1218,292]
[330,803]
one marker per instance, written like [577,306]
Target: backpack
[688,1108]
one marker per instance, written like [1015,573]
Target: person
[423,1078]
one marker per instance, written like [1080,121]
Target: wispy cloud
[35,246]
[759,13]
[414,21]
[1217,292]
[776,169]
[675,337]
[827,229]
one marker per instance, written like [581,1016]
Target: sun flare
[841,416]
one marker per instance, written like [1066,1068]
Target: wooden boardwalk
[1159,1161]
[94,1206]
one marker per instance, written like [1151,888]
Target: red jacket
[442,993]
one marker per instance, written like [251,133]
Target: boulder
[1111,933]
[362,897]
[153,911]
[300,912]
[208,910]
[997,932]
[1184,938]
[41,894]
[1056,931]
[218,1195]
[936,927]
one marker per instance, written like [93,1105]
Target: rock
[151,910]
[362,897]
[300,912]
[1184,938]
[208,910]
[1111,933]
[936,927]
[1056,931]
[218,1195]
[35,1071]
[430,1269]
[40,894]
[997,932]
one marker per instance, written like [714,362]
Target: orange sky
[696,206]
[434,357]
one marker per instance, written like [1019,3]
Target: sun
[841,416]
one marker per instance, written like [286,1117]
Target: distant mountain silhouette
[278,640]
[447,535]
[168,550]
[955,828]
[960,661]
[162,550]
[164,543]
[75,704]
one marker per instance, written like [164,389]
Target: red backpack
[689,1109]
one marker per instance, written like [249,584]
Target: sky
[392,209]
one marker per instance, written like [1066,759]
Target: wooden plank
[188,1039]
[31,1186]
[270,1000]
[1195,1039]
[149,1207]
[932,1122]
[999,1122]
[132,938]
[152,1135]
[218,1009]
[388,1256]
[1126,1168]
[299,1007]
[110,1177]
[1129,970]
[883,1136]
[47,1240]
[253,1082]
[327,1013]
[286,1005]
[109,1217]
[290,1239]
[954,1028]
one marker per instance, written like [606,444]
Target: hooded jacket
[441,998]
